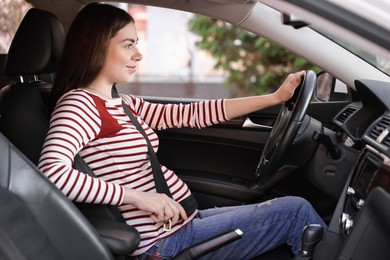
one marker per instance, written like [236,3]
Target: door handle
[248,124]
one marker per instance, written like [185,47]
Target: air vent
[380,130]
[345,114]
[386,141]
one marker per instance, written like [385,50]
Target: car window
[187,55]
[172,65]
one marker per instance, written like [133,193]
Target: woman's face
[122,56]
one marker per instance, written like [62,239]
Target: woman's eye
[128,46]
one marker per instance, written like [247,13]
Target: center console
[360,227]
[373,171]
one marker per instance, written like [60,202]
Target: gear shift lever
[311,235]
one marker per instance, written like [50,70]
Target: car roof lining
[217,9]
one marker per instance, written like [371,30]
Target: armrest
[121,238]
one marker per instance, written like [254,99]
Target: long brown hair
[86,46]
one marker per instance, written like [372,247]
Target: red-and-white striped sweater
[102,133]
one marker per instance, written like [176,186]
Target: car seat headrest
[36,46]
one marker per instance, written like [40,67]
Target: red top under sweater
[116,152]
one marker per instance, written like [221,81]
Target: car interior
[348,182]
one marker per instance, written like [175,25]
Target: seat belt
[161,184]
[189,204]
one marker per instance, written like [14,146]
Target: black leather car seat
[25,111]
[36,220]
[35,50]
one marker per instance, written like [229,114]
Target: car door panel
[219,162]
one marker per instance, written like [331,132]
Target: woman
[101,50]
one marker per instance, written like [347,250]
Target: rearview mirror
[330,89]
[292,20]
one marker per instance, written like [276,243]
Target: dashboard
[360,226]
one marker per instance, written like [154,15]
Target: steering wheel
[284,131]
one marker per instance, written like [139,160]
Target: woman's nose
[137,55]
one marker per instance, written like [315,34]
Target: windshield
[361,27]
[381,63]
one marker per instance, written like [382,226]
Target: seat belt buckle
[167,226]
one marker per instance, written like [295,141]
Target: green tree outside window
[254,65]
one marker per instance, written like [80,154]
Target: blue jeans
[265,226]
